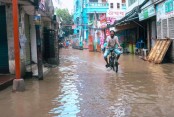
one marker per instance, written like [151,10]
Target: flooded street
[82,87]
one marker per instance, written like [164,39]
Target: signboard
[102,18]
[107,32]
[110,20]
[147,13]
[169,6]
[117,14]
[73,26]
[103,21]
[165,10]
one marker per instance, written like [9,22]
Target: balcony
[97,5]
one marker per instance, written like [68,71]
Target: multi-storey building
[116,11]
[86,15]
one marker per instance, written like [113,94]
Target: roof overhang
[21,2]
[45,17]
[133,17]
[125,26]
[29,8]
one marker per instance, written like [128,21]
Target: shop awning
[30,10]
[132,15]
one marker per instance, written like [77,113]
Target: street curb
[47,71]
[44,73]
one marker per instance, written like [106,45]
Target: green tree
[66,20]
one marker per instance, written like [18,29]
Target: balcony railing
[97,5]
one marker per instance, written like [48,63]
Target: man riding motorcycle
[112,41]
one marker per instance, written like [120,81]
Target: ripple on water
[67,103]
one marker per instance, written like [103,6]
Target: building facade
[86,15]
[145,22]
[27,33]
[165,23]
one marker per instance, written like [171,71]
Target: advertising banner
[165,10]
[147,13]
[103,21]
[117,14]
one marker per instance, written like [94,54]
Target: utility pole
[18,83]
[95,26]
[56,39]
[39,48]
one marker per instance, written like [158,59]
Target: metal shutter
[28,44]
[159,29]
[153,32]
[4,65]
[171,27]
[164,28]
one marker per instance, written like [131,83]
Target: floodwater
[82,87]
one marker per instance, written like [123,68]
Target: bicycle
[113,62]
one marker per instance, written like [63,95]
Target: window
[123,1]
[91,16]
[93,0]
[124,6]
[111,5]
[130,2]
[77,5]
[118,5]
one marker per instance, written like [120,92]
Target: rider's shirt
[112,41]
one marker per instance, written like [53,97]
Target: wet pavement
[82,87]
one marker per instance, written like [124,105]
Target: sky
[64,4]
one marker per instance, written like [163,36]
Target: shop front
[148,17]
[127,39]
[165,24]
[4,65]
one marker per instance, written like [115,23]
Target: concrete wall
[10,38]
[129,8]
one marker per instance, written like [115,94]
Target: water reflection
[136,90]
[67,103]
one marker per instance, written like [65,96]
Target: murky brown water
[82,87]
